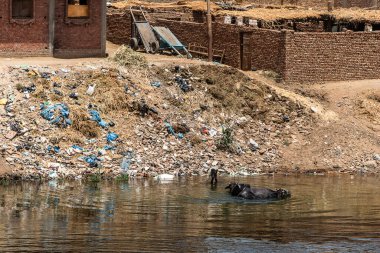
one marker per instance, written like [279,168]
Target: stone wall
[314,57]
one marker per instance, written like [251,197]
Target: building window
[22,9]
[77,9]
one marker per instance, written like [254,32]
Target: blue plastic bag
[95,116]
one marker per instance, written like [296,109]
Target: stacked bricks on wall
[314,57]
[296,56]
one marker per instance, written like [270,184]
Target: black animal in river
[214,177]
[245,191]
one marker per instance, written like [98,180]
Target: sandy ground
[349,129]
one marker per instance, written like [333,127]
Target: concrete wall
[314,57]
[73,37]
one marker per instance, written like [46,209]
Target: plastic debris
[156,84]
[111,137]
[170,130]
[126,162]
[183,84]
[92,160]
[91,89]
[74,95]
[53,174]
[57,114]
[96,117]
[54,149]
[165,177]
[253,145]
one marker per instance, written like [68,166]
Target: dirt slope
[346,138]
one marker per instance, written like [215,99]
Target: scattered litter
[183,84]
[253,145]
[156,84]
[165,177]
[126,162]
[92,160]
[91,89]
[53,149]
[57,114]
[53,174]
[96,117]
[111,137]
[74,95]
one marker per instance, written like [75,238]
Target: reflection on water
[337,213]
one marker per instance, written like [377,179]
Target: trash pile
[112,120]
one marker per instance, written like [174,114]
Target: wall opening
[22,9]
[77,9]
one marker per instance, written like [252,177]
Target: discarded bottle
[91,89]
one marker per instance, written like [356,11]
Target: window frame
[22,20]
[77,18]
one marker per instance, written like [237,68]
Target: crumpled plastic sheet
[57,114]
[183,84]
[92,160]
[170,130]
[95,116]
[111,137]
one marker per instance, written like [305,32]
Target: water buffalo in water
[245,191]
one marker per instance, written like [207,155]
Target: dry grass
[266,13]
[195,5]
[83,124]
[125,56]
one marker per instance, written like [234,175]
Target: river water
[325,214]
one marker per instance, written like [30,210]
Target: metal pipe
[209,31]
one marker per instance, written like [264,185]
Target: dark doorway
[245,51]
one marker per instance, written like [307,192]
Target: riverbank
[170,116]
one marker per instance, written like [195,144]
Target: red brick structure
[61,28]
[296,56]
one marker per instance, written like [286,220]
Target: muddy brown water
[325,214]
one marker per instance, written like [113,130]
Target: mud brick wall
[24,38]
[118,26]
[268,51]
[225,37]
[356,3]
[314,57]
[306,3]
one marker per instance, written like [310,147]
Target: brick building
[60,28]
[297,57]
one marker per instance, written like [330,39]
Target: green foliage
[122,178]
[226,140]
